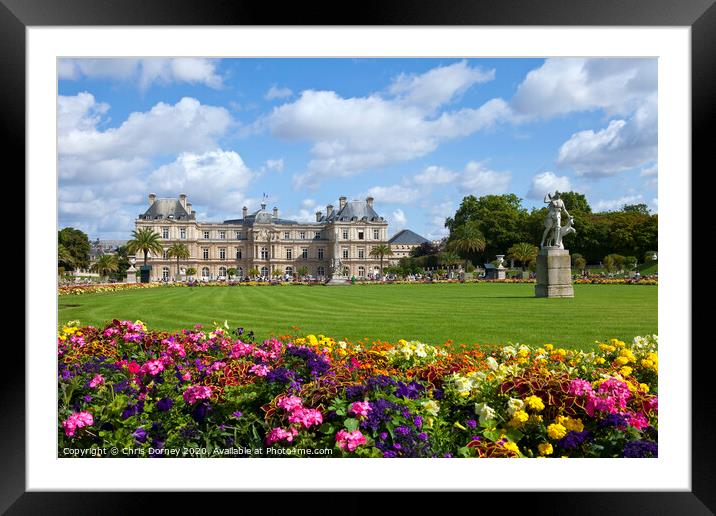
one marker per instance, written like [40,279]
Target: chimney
[329,210]
[369,201]
[341,202]
[182,200]
[188,207]
[246,211]
[275,212]
[152,198]
[318,216]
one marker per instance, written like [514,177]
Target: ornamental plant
[208,392]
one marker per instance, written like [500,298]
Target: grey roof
[166,209]
[407,237]
[261,216]
[354,210]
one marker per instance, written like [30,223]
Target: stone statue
[553,232]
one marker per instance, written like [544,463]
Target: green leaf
[351,424]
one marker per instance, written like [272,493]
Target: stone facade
[554,273]
[402,244]
[264,241]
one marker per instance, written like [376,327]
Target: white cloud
[622,145]
[616,204]
[394,194]
[479,180]
[435,175]
[650,171]
[439,85]
[352,135]
[275,164]
[564,85]
[547,182]
[398,221]
[217,180]
[144,72]
[437,213]
[274,92]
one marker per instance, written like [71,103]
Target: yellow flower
[519,418]
[545,449]
[643,387]
[574,425]
[535,403]
[599,360]
[621,361]
[556,431]
[509,445]
[548,347]
[645,362]
[607,348]
[625,371]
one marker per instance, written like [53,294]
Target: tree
[178,251]
[231,272]
[105,264]
[190,271]
[575,202]
[649,256]
[424,249]
[145,240]
[253,272]
[276,273]
[581,264]
[77,244]
[467,239]
[65,260]
[523,253]
[380,251]
[641,208]
[302,271]
[631,262]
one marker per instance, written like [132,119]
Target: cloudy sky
[416,134]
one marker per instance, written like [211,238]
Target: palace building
[265,242]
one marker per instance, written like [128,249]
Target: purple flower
[641,449]
[573,439]
[383,435]
[471,423]
[237,414]
[418,421]
[402,430]
[87,398]
[140,434]
[423,436]
[389,454]
[165,404]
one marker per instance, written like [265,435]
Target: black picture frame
[700,15]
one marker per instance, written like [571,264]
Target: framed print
[277,238]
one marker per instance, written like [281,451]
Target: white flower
[492,363]
[432,407]
[514,404]
[485,412]
[509,351]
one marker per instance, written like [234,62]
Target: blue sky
[416,134]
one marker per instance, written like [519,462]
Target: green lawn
[480,313]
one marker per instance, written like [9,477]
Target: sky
[416,134]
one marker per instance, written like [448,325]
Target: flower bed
[214,393]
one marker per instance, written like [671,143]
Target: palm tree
[253,272]
[64,257]
[178,250]
[302,271]
[105,264]
[523,253]
[380,251]
[467,238]
[145,240]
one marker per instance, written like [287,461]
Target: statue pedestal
[554,273]
[337,281]
[501,273]
[131,275]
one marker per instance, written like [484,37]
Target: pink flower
[259,370]
[638,421]
[579,387]
[280,434]
[133,367]
[290,403]
[96,381]
[240,349]
[360,408]
[349,440]
[306,417]
[197,392]
[75,421]
[153,367]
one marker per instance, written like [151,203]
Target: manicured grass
[466,313]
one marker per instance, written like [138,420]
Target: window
[182,233]
[205,272]
[264,271]
[376,234]
[320,253]
[286,235]
[289,271]
[361,253]
[302,235]
[304,253]
[165,232]
[206,235]
[321,271]
[238,235]
[165,254]
[361,272]
[345,234]
[360,235]
[222,253]
[317,235]
[264,253]
[238,253]
[222,235]
[289,253]
[222,272]
[205,253]
[240,272]
[165,273]
[345,252]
